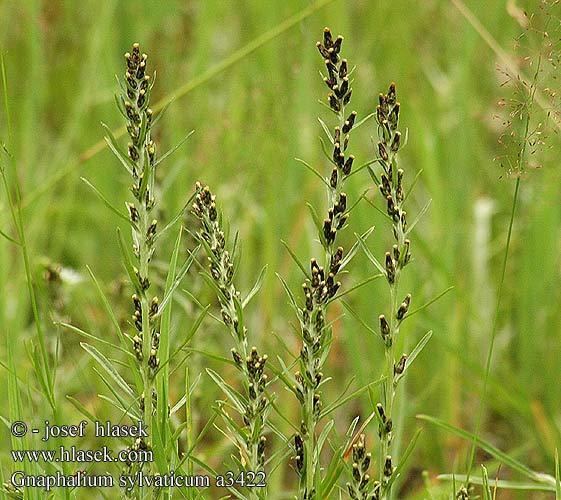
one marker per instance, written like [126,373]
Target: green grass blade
[492,450]
[500,483]
[108,368]
[107,203]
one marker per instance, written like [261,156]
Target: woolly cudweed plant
[321,283]
[391,188]
[254,405]
[142,153]
[140,162]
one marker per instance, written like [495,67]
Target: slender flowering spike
[391,187]
[359,486]
[134,101]
[322,285]
[256,405]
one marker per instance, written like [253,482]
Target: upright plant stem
[320,286]
[392,189]
[250,439]
[43,370]
[493,334]
[520,163]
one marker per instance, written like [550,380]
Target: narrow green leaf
[492,450]
[326,106]
[114,147]
[334,470]
[418,218]
[108,367]
[487,495]
[324,435]
[430,302]
[314,171]
[317,223]
[162,111]
[289,293]
[174,149]
[381,212]
[357,201]
[340,401]
[358,317]
[183,271]
[355,287]
[256,287]
[9,238]
[404,457]
[373,175]
[501,483]
[352,252]
[124,412]
[191,332]
[363,121]
[369,254]
[415,180]
[327,154]
[326,130]
[81,408]
[107,307]
[173,221]
[362,166]
[557,476]
[95,338]
[120,403]
[296,260]
[228,390]
[414,353]
[127,261]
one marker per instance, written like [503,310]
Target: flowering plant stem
[320,286]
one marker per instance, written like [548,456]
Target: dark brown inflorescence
[392,190]
[360,488]
[248,361]
[322,285]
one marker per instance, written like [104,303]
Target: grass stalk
[42,365]
[521,162]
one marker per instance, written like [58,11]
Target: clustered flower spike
[322,285]
[391,186]
[142,154]
[337,78]
[248,362]
[359,488]
[134,104]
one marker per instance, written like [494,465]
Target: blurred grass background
[250,122]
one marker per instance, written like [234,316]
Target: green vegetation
[477,413]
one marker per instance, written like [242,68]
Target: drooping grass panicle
[322,285]
[531,115]
[255,405]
